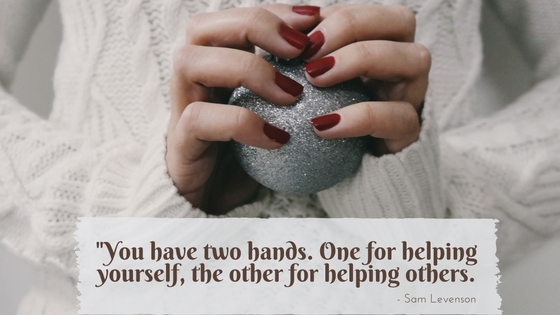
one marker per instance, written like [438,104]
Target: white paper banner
[282,266]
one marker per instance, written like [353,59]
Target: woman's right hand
[218,57]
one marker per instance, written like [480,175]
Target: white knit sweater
[101,153]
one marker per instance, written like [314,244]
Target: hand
[219,56]
[376,43]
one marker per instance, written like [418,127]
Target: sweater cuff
[131,180]
[402,185]
[144,187]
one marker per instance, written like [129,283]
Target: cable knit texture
[102,151]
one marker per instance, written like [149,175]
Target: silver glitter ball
[307,163]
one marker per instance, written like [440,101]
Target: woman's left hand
[376,43]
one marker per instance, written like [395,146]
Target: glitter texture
[307,163]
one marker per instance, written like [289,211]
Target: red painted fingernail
[318,67]
[288,85]
[276,134]
[293,37]
[317,40]
[325,122]
[306,9]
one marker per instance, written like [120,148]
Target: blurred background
[531,286]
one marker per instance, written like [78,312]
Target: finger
[328,11]
[196,69]
[407,65]
[396,122]
[347,24]
[301,18]
[245,27]
[202,123]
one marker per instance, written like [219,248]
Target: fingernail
[276,134]
[288,85]
[306,9]
[317,40]
[293,37]
[318,67]
[325,122]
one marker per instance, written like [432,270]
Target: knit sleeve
[507,166]
[408,183]
[50,175]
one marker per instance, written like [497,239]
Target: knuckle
[194,25]
[256,16]
[347,16]
[191,116]
[275,7]
[364,51]
[408,17]
[411,122]
[183,58]
[335,7]
[369,113]
[249,63]
[423,58]
[242,117]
